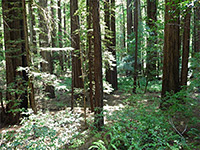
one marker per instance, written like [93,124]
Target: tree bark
[152,40]
[75,43]
[90,54]
[33,43]
[186,47]
[170,80]
[16,56]
[53,25]
[196,36]
[113,46]
[107,38]
[27,63]
[136,44]
[129,24]
[99,119]
[60,35]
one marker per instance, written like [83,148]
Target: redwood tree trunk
[60,35]
[152,40]
[107,37]
[136,44]
[170,80]
[90,54]
[113,46]
[129,23]
[75,43]
[14,38]
[196,36]
[99,119]
[186,48]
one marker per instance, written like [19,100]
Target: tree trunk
[33,43]
[186,47]
[136,44]
[27,59]
[170,80]
[152,40]
[15,46]
[53,25]
[1,43]
[45,42]
[113,46]
[90,54]
[129,24]
[60,35]
[123,29]
[196,36]
[107,38]
[75,43]
[99,119]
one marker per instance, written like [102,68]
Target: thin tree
[90,54]
[60,35]
[136,18]
[1,44]
[53,25]
[196,35]
[113,46]
[186,47]
[129,23]
[170,80]
[99,119]
[122,26]
[107,37]
[32,23]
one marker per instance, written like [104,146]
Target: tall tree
[136,20]
[75,43]
[32,23]
[122,26]
[186,46]
[15,38]
[113,46]
[99,119]
[45,42]
[60,35]
[152,39]
[107,36]
[53,25]
[196,35]
[129,23]
[1,44]
[170,80]
[90,54]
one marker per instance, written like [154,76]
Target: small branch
[181,134]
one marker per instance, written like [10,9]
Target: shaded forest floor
[56,126]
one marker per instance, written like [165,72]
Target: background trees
[78,48]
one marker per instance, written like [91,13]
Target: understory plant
[42,131]
[142,126]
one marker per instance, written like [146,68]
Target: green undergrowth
[141,125]
[42,131]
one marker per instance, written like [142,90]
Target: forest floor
[57,108]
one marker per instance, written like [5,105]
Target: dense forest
[100,74]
